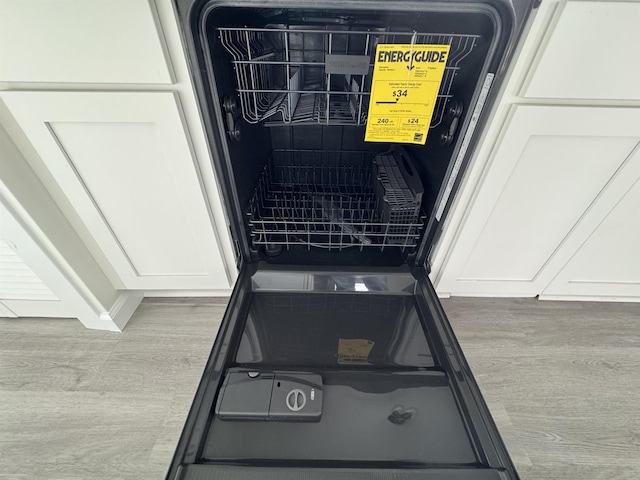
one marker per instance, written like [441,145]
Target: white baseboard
[36,308]
[491,295]
[6,312]
[187,293]
[122,309]
[588,298]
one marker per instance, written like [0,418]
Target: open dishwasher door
[334,358]
[336,373]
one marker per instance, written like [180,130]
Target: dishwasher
[339,132]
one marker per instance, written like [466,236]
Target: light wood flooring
[561,379]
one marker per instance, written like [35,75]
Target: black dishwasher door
[338,373]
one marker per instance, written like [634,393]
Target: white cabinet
[79,41]
[125,163]
[550,205]
[607,261]
[547,174]
[45,268]
[591,53]
[97,99]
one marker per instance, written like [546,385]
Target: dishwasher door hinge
[178,473]
[235,244]
[236,252]
[427,263]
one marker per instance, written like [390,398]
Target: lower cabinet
[124,162]
[558,210]
[607,263]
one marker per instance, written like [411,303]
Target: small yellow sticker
[406,81]
[354,351]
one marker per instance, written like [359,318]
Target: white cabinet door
[607,261]
[80,41]
[125,164]
[549,166]
[591,53]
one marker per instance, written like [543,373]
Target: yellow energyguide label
[405,85]
[354,351]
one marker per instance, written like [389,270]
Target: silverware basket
[399,192]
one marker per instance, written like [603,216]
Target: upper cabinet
[592,53]
[80,41]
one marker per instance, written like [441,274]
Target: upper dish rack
[283,76]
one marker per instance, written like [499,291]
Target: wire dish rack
[326,199]
[298,74]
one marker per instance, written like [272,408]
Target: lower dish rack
[331,200]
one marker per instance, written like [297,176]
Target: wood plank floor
[562,380]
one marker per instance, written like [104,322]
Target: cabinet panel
[591,53]
[551,185]
[607,263]
[131,181]
[125,164]
[550,166]
[75,41]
